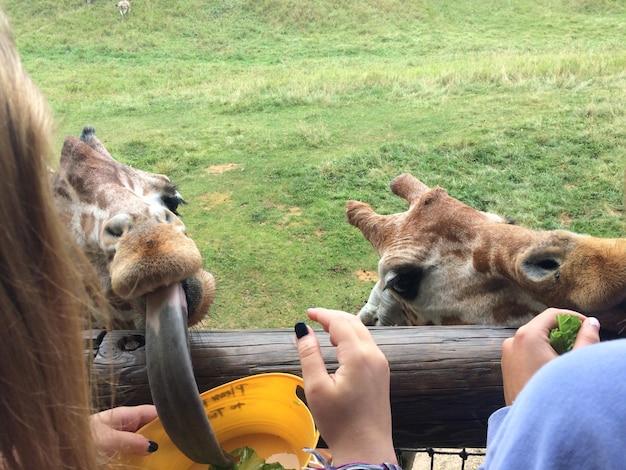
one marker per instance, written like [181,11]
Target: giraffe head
[443,262]
[126,222]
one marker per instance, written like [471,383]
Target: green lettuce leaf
[247,459]
[562,338]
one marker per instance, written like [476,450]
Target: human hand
[351,407]
[530,348]
[114,430]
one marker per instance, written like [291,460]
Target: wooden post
[445,381]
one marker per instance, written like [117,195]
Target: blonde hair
[44,389]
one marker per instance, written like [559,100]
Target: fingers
[144,414]
[341,326]
[546,320]
[529,349]
[311,360]
[111,441]
[542,324]
[346,332]
[589,333]
[128,418]
[132,443]
[115,430]
[510,390]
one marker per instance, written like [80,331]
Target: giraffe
[126,222]
[124,7]
[443,262]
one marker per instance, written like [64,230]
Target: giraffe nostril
[113,231]
[117,226]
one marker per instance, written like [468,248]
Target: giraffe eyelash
[173,202]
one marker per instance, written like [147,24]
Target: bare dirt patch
[289,214]
[367,276]
[565,219]
[211,200]
[219,169]
[292,212]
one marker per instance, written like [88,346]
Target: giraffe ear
[372,225]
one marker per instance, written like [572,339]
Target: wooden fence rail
[445,381]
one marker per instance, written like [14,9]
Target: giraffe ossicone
[443,262]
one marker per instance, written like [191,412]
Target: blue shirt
[570,415]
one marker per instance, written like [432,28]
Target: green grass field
[271,114]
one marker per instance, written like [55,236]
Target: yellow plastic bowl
[262,412]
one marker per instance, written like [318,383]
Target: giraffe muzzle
[172,382]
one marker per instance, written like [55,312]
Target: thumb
[311,360]
[589,333]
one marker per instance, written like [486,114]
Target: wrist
[342,461]
[368,466]
[391,464]
[363,443]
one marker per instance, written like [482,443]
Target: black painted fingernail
[152,446]
[301,329]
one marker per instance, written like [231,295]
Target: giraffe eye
[406,284]
[172,202]
[401,284]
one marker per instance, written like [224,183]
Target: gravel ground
[422,461]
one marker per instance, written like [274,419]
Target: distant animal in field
[443,262]
[124,7]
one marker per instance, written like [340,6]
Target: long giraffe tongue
[172,383]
